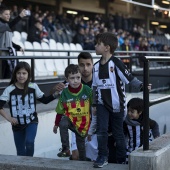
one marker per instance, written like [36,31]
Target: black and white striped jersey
[109,84]
[23,109]
[134,133]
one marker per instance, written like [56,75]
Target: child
[109,78]
[133,125]
[73,111]
[21,96]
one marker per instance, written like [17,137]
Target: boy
[73,111]
[133,125]
[85,63]
[109,78]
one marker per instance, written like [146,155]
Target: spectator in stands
[1,2]
[142,47]
[48,23]
[126,47]
[37,33]
[79,37]
[21,96]
[6,39]
[89,39]
[75,115]
[134,122]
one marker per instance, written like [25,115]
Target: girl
[21,96]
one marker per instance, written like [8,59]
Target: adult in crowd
[6,39]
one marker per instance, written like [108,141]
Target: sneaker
[64,153]
[100,162]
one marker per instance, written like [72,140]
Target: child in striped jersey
[133,125]
[73,111]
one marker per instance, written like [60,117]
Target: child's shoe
[100,162]
[64,153]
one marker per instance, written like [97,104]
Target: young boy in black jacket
[133,125]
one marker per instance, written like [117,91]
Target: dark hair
[21,65]
[136,103]
[3,8]
[107,38]
[85,55]
[71,69]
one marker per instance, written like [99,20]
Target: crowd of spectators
[73,28]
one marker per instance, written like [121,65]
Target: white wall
[47,143]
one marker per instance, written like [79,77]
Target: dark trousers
[116,120]
[65,124]
[24,140]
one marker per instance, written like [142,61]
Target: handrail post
[32,70]
[146,106]
[68,58]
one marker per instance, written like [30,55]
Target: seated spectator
[89,39]
[37,33]
[126,47]
[79,37]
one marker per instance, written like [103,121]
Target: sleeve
[5,95]
[4,28]
[14,21]
[58,119]
[39,93]
[125,75]
[94,89]
[4,98]
[154,127]
[17,47]
[93,125]
[41,97]
[46,99]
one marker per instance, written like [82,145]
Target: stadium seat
[79,47]
[74,54]
[17,35]
[60,46]
[39,63]
[24,36]
[59,63]
[49,63]
[19,53]
[28,45]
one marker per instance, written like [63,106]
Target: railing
[145,59]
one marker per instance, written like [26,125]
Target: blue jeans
[116,120]
[24,140]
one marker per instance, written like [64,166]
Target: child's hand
[89,137]
[55,129]
[58,88]
[149,87]
[13,121]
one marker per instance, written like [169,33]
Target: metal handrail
[145,59]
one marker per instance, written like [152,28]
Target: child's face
[5,15]
[22,76]
[74,80]
[100,48]
[133,113]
